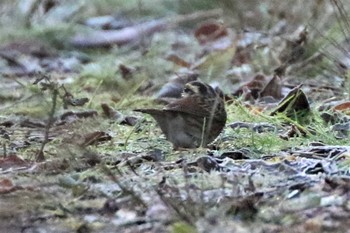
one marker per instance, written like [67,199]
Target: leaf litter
[76,158]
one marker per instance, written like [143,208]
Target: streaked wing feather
[160,116]
[189,106]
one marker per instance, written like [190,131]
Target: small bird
[195,119]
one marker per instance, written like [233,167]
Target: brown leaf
[4,182]
[210,31]
[126,71]
[252,89]
[12,161]
[294,102]
[178,61]
[6,185]
[81,114]
[117,116]
[342,106]
[273,88]
[95,137]
[110,112]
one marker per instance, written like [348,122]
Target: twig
[40,154]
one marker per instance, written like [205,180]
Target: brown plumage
[194,120]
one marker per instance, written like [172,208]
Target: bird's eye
[189,90]
[186,89]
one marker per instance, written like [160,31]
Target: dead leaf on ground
[343,107]
[71,115]
[5,185]
[95,138]
[178,61]
[13,162]
[110,112]
[273,88]
[210,31]
[118,116]
[252,89]
[294,102]
[126,71]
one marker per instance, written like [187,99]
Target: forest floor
[75,157]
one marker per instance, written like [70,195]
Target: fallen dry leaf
[126,71]
[6,186]
[79,114]
[95,138]
[110,112]
[252,89]
[342,106]
[210,31]
[273,88]
[295,101]
[13,161]
[178,61]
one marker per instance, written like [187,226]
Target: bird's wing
[160,116]
[189,106]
